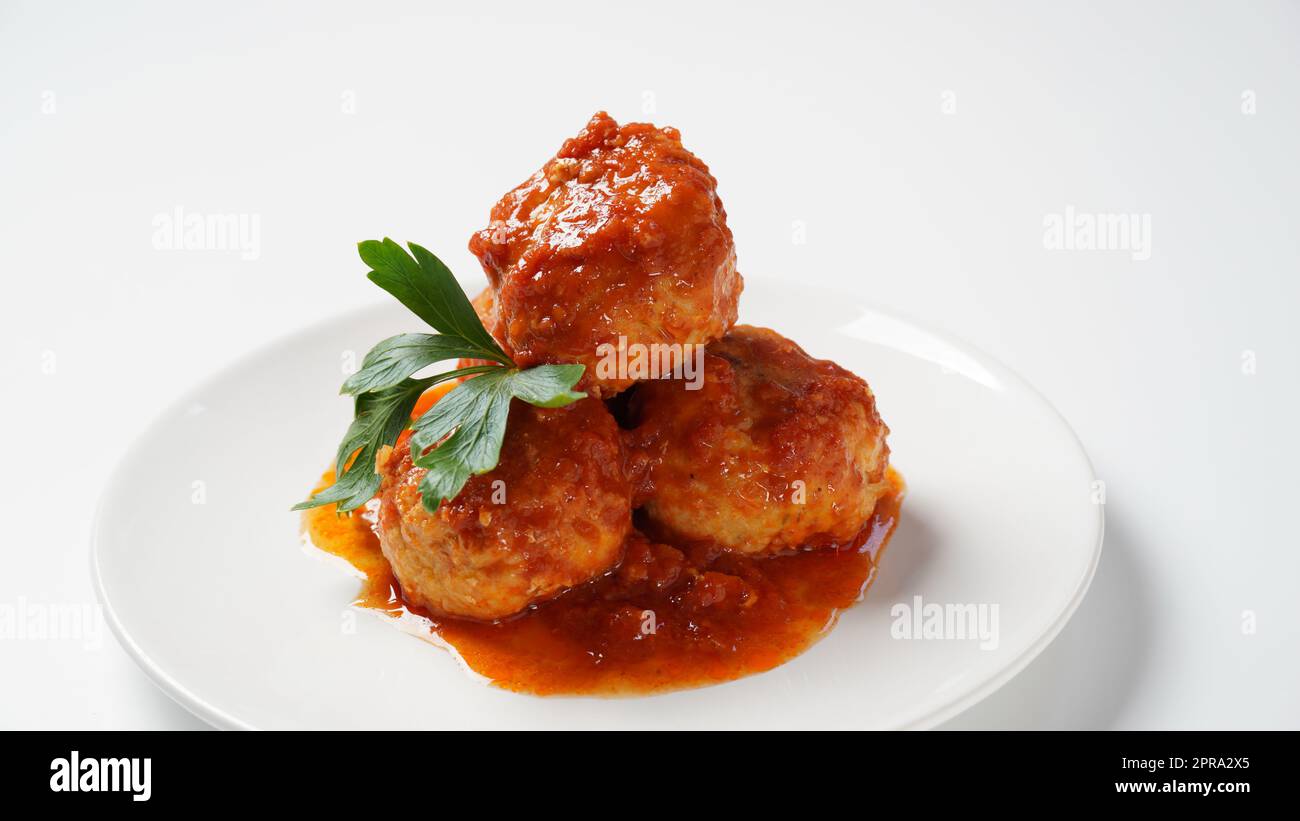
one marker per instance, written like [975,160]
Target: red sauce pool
[667,619]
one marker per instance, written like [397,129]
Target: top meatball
[553,513]
[776,451]
[620,239]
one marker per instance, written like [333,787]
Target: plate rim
[221,719]
[177,692]
[996,681]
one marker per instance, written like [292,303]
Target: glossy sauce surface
[620,234]
[665,619]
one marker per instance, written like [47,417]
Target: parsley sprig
[465,428]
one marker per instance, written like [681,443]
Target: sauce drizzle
[666,619]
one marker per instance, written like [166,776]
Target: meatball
[553,513]
[619,239]
[775,451]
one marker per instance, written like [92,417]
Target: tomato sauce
[619,238]
[665,619]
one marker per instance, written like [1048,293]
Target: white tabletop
[924,159]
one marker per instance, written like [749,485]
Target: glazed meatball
[553,513]
[775,451]
[620,238]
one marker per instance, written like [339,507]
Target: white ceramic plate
[201,569]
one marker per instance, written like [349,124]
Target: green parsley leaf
[478,423]
[547,386]
[423,284]
[397,357]
[380,417]
[461,435]
[467,426]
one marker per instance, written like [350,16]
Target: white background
[918,150]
